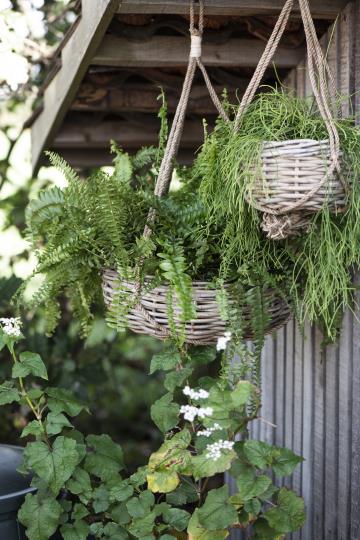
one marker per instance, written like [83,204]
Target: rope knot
[196,41]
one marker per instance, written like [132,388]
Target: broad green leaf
[54,465]
[8,393]
[203,466]
[29,364]
[217,512]
[285,461]
[56,422]
[202,355]
[165,361]
[39,516]
[198,532]
[222,404]
[163,481]
[165,413]
[120,514]
[143,526]
[106,460]
[78,530]
[252,506]
[176,518]
[79,512]
[101,499]
[61,400]
[251,486]
[113,531]
[177,378]
[33,428]
[139,477]
[262,531]
[259,453]
[79,484]
[242,393]
[167,537]
[289,514]
[138,507]
[185,493]
[121,493]
[172,455]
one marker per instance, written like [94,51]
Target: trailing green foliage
[83,487]
[318,264]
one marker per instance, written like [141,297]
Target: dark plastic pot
[13,488]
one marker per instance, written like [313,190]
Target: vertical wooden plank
[319,439]
[308,429]
[346,60]
[300,79]
[298,412]
[289,386]
[268,380]
[355,461]
[345,410]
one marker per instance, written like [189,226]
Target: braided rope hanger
[166,168]
[319,70]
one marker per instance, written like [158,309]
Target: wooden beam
[144,98]
[75,58]
[320,9]
[173,51]
[90,133]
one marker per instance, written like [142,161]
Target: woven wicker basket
[151,316]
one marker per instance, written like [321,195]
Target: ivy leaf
[242,393]
[176,518]
[251,486]
[262,531]
[177,378]
[121,493]
[8,393]
[54,465]
[106,459]
[39,516]
[56,422]
[165,361]
[78,530]
[288,515]
[163,481]
[202,355]
[217,513]
[29,364]
[101,499]
[285,461]
[33,428]
[61,400]
[120,514]
[138,507]
[259,453]
[198,532]
[165,413]
[143,526]
[185,493]
[79,484]
[203,466]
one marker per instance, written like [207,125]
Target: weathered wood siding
[313,395]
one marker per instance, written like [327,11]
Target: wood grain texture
[322,9]
[173,51]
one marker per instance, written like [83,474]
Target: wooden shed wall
[313,395]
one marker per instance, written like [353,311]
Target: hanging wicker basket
[290,171]
[150,316]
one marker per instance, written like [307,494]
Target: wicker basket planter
[150,316]
[287,190]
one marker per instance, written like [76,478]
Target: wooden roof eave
[76,56]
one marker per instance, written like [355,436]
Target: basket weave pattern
[208,325]
[290,170]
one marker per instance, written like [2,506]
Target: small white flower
[223,341]
[190,412]
[205,411]
[194,394]
[11,327]
[209,431]
[214,450]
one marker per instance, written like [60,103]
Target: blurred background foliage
[108,371]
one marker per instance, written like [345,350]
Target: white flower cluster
[209,431]
[190,412]
[223,341]
[214,450]
[11,327]
[195,394]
